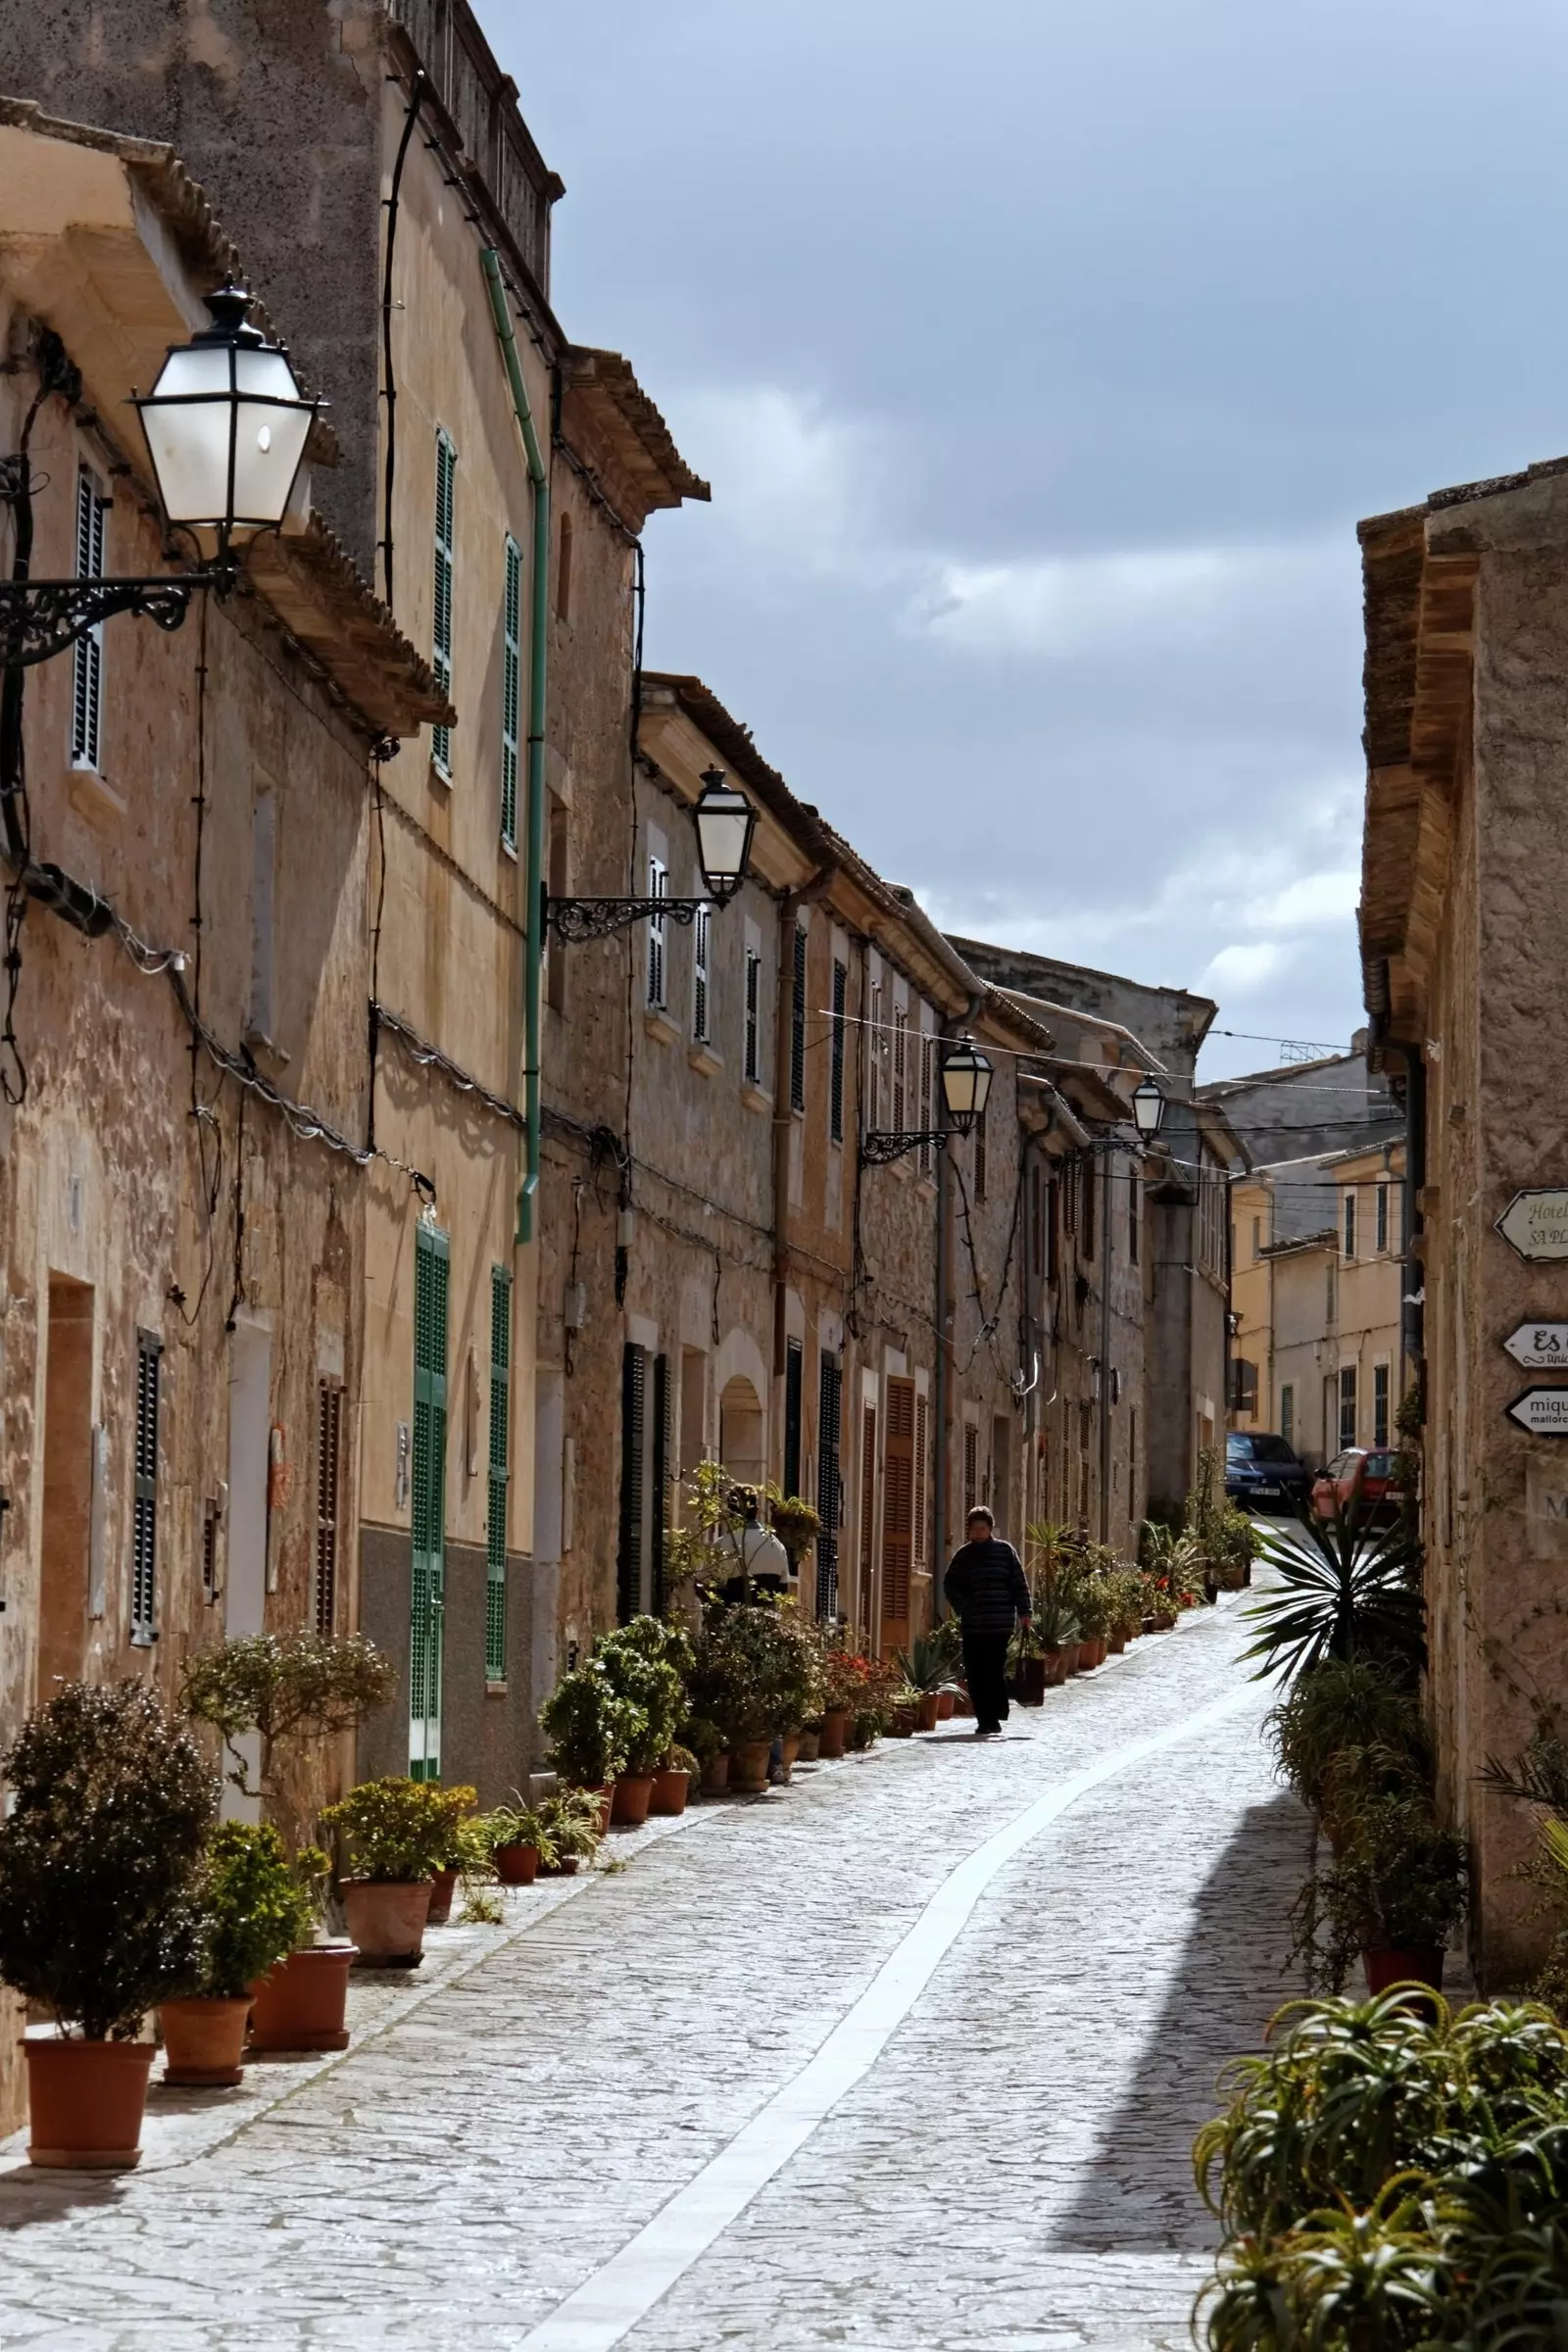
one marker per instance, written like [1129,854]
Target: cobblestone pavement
[1010,2174]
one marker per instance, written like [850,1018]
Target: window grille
[446,465]
[328,1501]
[144,1512]
[511,690]
[86,701]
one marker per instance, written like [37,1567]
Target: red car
[1359,1479]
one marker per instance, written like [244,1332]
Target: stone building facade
[183,1154]
[1467,689]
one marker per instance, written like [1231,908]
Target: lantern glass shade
[725,821]
[1148,1108]
[226,425]
[965,1086]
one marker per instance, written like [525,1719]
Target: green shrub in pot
[100,1858]
[757,1671]
[254,1908]
[647,1662]
[399,1831]
[591,1727]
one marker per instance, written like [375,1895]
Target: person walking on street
[986,1584]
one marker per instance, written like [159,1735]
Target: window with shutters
[900,1071]
[971,1467]
[798,1023]
[1382,1219]
[1347,1406]
[633,1499]
[446,469]
[328,1501]
[898,1511]
[868,1502]
[981,1170]
[1350,1223]
[925,1117]
[499,1477]
[835,1091]
[829,1482]
[511,690]
[923,1455]
[794,1382]
[657,888]
[87,653]
[144,1508]
[1086,1178]
[702,1028]
[752,1059]
[432,1275]
[659,1513]
[873,1057]
[1380,1404]
[1053,1230]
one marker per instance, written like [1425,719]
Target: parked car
[1262,1470]
[1361,1475]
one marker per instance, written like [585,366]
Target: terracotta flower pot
[299,2005]
[715,1774]
[629,1805]
[606,1807]
[926,1713]
[946,1701]
[790,1750]
[1396,1964]
[1054,1665]
[441,1894]
[670,1791]
[85,2101]
[1072,1657]
[747,1766]
[904,1722]
[1116,1644]
[517,1865]
[835,1734]
[810,1744]
[204,2042]
[386,1919]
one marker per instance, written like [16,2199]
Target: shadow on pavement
[1137,2189]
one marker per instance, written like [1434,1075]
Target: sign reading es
[1536,1224]
[1539,1347]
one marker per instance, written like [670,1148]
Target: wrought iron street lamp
[225,426]
[966,1077]
[1148,1109]
[724,821]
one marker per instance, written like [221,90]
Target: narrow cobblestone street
[994,2157]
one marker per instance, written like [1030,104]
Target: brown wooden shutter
[868,1502]
[898,1512]
[922,1452]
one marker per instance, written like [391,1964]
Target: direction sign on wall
[1539,1347]
[1543,1411]
[1536,1224]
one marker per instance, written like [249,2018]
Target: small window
[981,1168]
[328,1501]
[751,1065]
[835,1091]
[798,1024]
[1380,1404]
[657,888]
[144,1510]
[86,705]
[1349,1225]
[1382,1220]
[563,570]
[511,690]
[446,467]
[1348,1405]
[701,1023]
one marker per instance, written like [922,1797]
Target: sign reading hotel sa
[1536,1224]
[1543,1411]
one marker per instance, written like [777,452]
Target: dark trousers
[985,1670]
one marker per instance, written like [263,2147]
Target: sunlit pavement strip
[607,2305]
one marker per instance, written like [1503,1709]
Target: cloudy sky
[1042,355]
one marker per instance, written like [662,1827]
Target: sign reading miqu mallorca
[1539,1347]
[1543,1411]
[1536,1224]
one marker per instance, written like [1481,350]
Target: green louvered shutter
[495,1588]
[431,1281]
[446,467]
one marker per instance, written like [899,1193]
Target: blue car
[1263,1473]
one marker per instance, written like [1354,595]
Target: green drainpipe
[533,868]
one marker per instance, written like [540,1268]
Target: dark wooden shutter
[835,1100]
[898,1513]
[794,1377]
[328,1501]
[144,1517]
[633,1415]
[867,1503]
[661,1491]
[431,1285]
[971,1467]
[798,1024]
[829,1483]
[922,1455]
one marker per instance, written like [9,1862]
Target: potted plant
[1393,1894]
[847,1679]
[794,1523]
[1054,1629]
[399,1833]
[571,1823]
[253,1910]
[646,1662]
[272,1695]
[924,1668]
[591,1729]
[301,2003]
[673,1780]
[100,1855]
[757,1676]
[902,1717]
[706,1741]
[519,1842]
